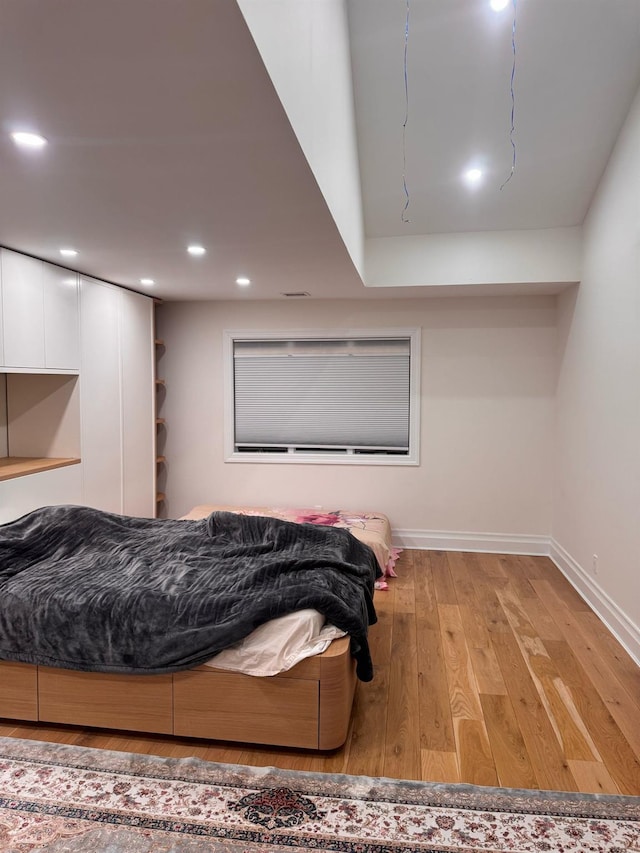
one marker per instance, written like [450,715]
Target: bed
[307,706]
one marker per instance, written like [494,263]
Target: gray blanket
[89,590]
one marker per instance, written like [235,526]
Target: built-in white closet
[77,420]
[117,399]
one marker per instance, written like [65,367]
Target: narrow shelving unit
[161,459]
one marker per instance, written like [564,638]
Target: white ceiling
[577,69]
[164,129]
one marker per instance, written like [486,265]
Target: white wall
[305,49]
[551,255]
[488,386]
[597,495]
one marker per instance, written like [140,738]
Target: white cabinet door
[138,409]
[22,310]
[61,338]
[101,442]
[48,488]
[4,445]
[1,332]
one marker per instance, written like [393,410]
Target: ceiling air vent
[296,293]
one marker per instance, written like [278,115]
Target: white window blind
[313,395]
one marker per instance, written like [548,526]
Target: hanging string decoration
[513,97]
[404,216]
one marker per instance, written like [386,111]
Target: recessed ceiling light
[28,140]
[147,281]
[473,177]
[499,5]
[243,280]
[196,250]
[68,253]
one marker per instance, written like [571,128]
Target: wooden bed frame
[309,706]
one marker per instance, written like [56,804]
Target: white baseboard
[487,543]
[616,620]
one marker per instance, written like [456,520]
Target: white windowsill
[320,459]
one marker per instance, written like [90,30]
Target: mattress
[279,645]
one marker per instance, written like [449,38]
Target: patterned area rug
[63,798]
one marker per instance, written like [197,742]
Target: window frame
[230,336]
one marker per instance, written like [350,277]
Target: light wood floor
[489,669]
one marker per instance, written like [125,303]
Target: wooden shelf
[160,391]
[21,466]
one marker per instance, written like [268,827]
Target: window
[340,397]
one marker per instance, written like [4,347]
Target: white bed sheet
[279,644]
